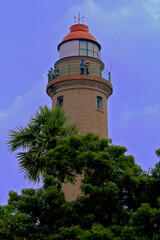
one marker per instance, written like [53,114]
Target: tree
[158,152]
[38,137]
[117,201]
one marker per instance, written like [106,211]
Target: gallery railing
[74,69]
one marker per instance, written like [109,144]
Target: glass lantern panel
[90,46]
[68,49]
[83,52]
[96,55]
[83,45]
[90,53]
[96,49]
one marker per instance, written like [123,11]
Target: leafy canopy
[39,136]
[119,200]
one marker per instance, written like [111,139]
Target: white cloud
[154,1]
[97,11]
[151,110]
[104,12]
[127,116]
[5,114]
[153,8]
[24,103]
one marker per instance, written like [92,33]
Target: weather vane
[79,18]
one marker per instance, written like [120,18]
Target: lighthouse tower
[82,93]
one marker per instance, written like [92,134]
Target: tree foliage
[119,200]
[39,136]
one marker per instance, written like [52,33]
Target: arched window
[60,101]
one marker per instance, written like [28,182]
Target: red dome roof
[79,31]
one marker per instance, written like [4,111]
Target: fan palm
[39,136]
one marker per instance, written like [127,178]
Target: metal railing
[74,69]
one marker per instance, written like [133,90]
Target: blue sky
[129,33]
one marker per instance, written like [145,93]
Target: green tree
[158,152]
[117,201]
[39,136]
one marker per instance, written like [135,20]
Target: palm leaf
[45,127]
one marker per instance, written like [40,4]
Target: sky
[129,33]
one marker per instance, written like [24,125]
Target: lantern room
[79,42]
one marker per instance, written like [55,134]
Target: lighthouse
[81,84]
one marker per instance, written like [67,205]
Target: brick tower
[82,93]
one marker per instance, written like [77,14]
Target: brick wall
[81,108]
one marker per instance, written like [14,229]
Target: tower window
[60,101]
[99,102]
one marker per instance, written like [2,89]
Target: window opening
[60,101]
[99,102]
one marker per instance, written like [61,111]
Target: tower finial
[79,18]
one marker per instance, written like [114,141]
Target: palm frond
[40,135]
